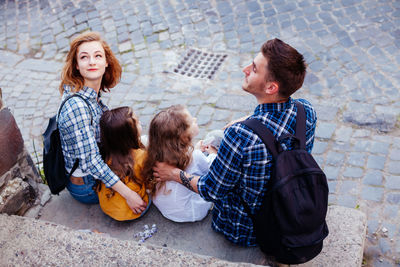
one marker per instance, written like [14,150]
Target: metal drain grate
[198,64]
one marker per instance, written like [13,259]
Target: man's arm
[224,173]
[166,172]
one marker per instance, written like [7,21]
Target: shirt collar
[272,107]
[86,92]
[90,93]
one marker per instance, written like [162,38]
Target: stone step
[30,242]
[343,247]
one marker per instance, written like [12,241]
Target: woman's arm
[132,198]
[77,130]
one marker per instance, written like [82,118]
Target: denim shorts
[84,193]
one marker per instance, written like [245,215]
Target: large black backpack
[290,224]
[53,158]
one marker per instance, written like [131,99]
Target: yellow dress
[116,206]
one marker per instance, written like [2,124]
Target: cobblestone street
[352,48]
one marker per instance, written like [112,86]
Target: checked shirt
[243,167]
[79,137]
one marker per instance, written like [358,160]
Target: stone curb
[29,242]
[344,245]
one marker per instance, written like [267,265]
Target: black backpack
[53,158]
[290,224]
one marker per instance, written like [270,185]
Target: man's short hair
[286,66]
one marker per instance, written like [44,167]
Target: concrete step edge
[27,241]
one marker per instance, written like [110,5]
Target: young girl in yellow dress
[124,153]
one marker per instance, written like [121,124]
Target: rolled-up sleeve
[225,170]
[78,141]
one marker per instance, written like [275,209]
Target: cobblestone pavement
[351,46]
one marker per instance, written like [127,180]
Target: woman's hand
[165,172]
[134,201]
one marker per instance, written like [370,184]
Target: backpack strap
[264,133]
[270,142]
[269,139]
[76,163]
[81,97]
[301,125]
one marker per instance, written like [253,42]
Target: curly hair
[119,134]
[169,141]
[71,76]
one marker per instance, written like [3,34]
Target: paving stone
[353,172]
[373,177]
[383,123]
[356,159]
[222,115]
[80,18]
[343,134]
[391,211]
[326,113]
[372,226]
[393,198]
[348,187]
[394,167]
[347,201]
[379,147]
[203,119]
[40,65]
[392,230]
[372,193]
[334,158]
[394,154]
[331,172]
[319,147]
[376,162]
[332,186]
[325,130]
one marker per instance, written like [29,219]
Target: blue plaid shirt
[243,167]
[79,137]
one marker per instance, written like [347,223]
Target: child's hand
[200,146]
[210,149]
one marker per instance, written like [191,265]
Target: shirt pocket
[256,156]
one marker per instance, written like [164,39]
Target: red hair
[71,76]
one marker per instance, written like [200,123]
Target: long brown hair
[169,141]
[71,76]
[119,134]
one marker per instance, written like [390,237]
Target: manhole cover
[199,64]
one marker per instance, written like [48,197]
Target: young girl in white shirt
[171,134]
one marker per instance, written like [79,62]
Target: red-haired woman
[90,68]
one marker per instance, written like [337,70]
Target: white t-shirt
[179,204]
